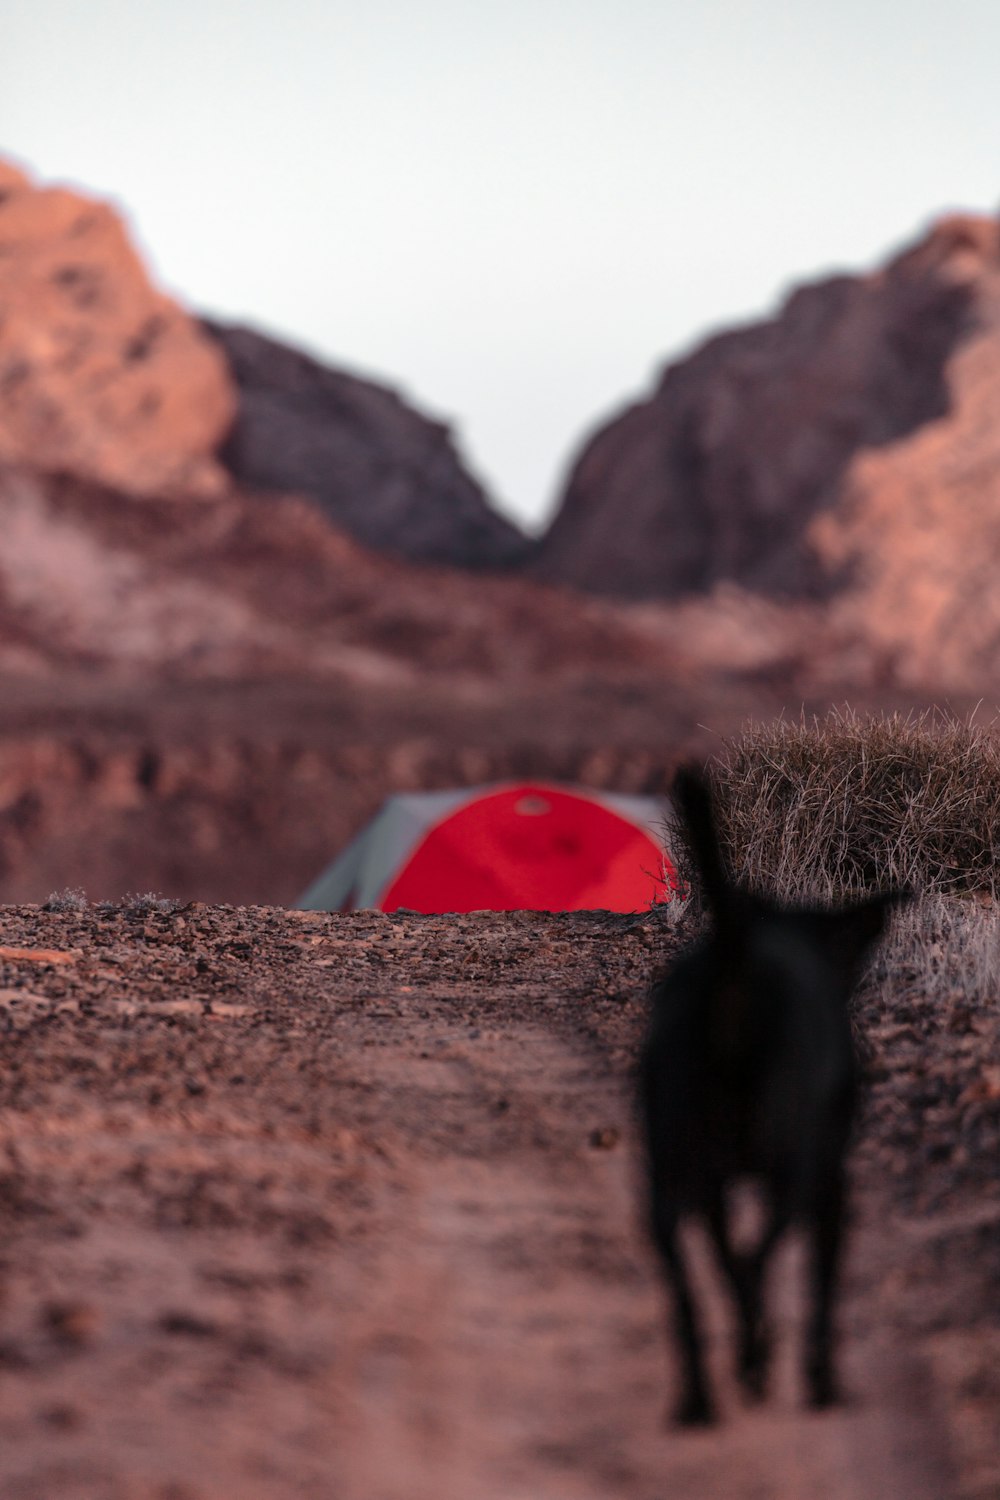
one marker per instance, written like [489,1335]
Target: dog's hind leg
[695,1404]
[828,1232]
[745,1273]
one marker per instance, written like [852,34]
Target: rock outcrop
[814,500]
[247,585]
[100,374]
[738,467]
[915,533]
[104,378]
[388,475]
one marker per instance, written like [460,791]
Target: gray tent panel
[359,875]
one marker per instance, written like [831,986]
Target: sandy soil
[307,1206]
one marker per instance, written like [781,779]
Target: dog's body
[749,1072]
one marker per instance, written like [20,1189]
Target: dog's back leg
[745,1272]
[828,1233]
[695,1403]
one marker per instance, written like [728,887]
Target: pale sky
[515,214]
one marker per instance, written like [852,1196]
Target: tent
[526,846]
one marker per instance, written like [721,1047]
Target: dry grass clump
[945,950]
[72,898]
[836,807]
[150,901]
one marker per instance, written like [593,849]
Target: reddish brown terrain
[209,697]
[299,1205]
[208,687]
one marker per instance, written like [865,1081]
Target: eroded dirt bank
[243,792]
[297,1205]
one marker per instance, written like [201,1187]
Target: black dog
[749,1072]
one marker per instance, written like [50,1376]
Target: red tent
[503,848]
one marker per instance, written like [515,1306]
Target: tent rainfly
[511,847]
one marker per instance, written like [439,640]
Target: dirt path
[300,1208]
[531,1361]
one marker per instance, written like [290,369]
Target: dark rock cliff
[388,475]
[721,474]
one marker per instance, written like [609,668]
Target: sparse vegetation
[150,901]
[70,899]
[833,808]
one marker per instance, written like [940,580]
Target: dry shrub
[943,951]
[831,808]
[72,898]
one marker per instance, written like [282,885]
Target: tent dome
[523,846]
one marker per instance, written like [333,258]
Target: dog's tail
[693,799]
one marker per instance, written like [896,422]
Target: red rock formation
[387,474]
[916,528]
[821,493]
[100,375]
[722,473]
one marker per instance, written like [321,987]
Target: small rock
[63,1417]
[188,1323]
[72,1323]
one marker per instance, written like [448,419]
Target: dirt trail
[312,1207]
[531,1360]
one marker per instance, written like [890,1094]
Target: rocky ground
[298,1205]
